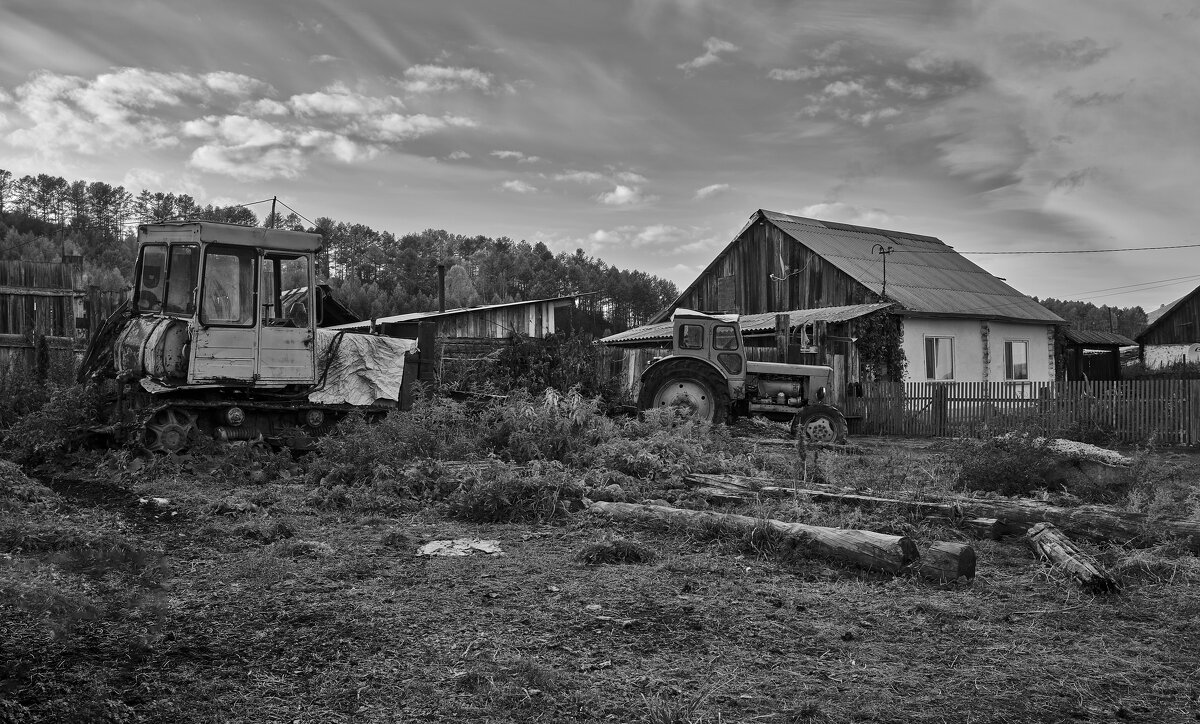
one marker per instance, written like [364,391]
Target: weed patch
[615,550]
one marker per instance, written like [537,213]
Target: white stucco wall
[969,347]
[1162,355]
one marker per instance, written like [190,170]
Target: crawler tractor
[221,339]
[707,374]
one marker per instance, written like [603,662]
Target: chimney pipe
[441,287]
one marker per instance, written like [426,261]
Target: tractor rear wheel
[820,423]
[689,386]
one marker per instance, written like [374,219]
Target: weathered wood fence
[1165,411]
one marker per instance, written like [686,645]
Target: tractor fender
[661,361]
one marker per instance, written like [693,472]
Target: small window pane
[939,358]
[229,287]
[724,338]
[181,287]
[1016,360]
[153,281]
[691,336]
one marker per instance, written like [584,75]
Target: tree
[460,291]
[6,187]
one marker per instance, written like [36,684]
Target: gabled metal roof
[1159,316]
[750,323]
[417,316]
[1091,336]
[924,275]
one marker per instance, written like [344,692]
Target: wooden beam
[1050,543]
[862,548]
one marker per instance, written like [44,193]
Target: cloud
[580,176]
[630,177]
[849,214]
[1042,51]
[518,155]
[144,178]
[1074,180]
[657,239]
[795,75]
[713,48]
[323,58]
[458,156]
[518,187]
[123,108]
[712,190]
[623,195]
[437,78]
[1093,99]
[244,134]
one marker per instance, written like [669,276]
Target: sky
[645,132]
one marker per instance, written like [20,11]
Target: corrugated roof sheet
[923,274]
[751,323]
[417,316]
[1091,336]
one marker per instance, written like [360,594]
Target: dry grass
[321,613]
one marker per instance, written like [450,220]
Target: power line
[1140,284]
[1048,251]
[297,213]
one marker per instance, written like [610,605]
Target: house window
[939,358]
[691,336]
[1016,360]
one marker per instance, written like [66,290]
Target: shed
[1094,355]
[1173,336]
[39,300]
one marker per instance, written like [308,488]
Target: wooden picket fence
[1132,411]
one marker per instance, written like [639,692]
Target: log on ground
[1096,522]
[1050,543]
[862,548]
[946,561]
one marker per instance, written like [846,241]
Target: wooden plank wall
[1180,326]
[1131,411]
[809,280]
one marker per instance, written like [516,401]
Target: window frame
[141,270]
[931,363]
[733,336]
[239,252]
[1009,367]
[683,332]
[167,285]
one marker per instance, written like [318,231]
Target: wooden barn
[956,322]
[1173,336]
[1093,355]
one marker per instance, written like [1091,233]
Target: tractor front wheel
[820,423]
[688,386]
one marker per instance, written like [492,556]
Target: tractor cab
[211,305]
[715,339]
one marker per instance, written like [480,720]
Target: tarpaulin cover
[365,369]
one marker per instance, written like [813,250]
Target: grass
[299,598]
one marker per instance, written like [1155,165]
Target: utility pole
[272,217]
[883,251]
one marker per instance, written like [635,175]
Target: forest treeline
[1129,321]
[375,273]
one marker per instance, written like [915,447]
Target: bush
[500,494]
[550,427]
[1009,465]
[615,550]
[56,427]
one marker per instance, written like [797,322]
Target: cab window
[181,279]
[152,281]
[725,337]
[228,294]
[691,336]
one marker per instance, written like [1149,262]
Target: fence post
[941,408]
[1193,413]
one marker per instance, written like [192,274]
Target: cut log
[993,528]
[863,548]
[1095,522]
[1050,543]
[948,562]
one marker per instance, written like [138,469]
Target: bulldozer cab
[245,295]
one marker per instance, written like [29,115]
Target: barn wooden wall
[751,261]
[1181,325]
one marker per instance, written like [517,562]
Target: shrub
[1009,465]
[553,426]
[18,492]
[502,493]
[58,426]
[615,550]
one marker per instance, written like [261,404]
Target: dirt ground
[241,602]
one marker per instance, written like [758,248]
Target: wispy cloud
[518,186]
[437,78]
[623,195]
[713,47]
[323,58]
[711,190]
[518,156]
[458,156]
